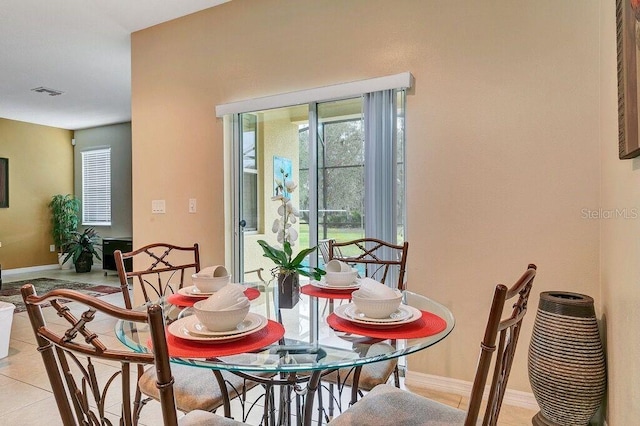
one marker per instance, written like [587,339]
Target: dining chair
[323,249]
[377,259]
[387,405]
[258,272]
[86,373]
[383,262]
[161,269]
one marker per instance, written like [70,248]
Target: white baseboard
[461,387]
[15,271]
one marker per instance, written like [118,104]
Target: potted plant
[82,248]
[64,221]
[289,267]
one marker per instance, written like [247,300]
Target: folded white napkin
[375,290]
[213,271]
[230,296]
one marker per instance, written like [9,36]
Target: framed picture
[4,182]
[281,172]
[628,38]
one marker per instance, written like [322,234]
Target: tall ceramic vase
[566,360]
[288,289]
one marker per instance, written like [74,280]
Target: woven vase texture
[566,359]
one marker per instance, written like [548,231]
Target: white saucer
[251,322]
[405,315]
[192,291]
[400,315]
[324,286]
[180,328]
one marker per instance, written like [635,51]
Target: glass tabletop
[309,342]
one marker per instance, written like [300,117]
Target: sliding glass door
[321,147]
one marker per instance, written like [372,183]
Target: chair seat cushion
[388,405]
[194,388]
[205,418]
[371,375]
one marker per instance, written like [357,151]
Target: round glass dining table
[302,343]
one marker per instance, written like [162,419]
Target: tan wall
[620,250]
[502,134]
[40,165]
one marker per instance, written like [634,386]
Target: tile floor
[26,398]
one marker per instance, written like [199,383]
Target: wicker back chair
[387,405]
[161,269]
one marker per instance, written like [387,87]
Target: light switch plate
[192,205]
[158,206]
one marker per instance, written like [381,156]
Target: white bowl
[341,278]
[220,320]
[377,308]
[209,284]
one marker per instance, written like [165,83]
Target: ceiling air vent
[47,91]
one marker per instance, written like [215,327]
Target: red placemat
[311,290]
[185,301]
[191,349]
[428,325]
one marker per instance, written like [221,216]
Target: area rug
[10,292]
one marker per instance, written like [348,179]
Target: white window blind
[96,187]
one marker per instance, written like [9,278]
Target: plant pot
[84,262]
[288,289]
[64,265]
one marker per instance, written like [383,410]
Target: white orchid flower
[290,185]
[291,210]
[287,213]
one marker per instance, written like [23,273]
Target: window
[96,187]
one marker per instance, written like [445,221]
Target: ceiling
[79,47]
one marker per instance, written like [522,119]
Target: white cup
[336,265]
[213,271]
